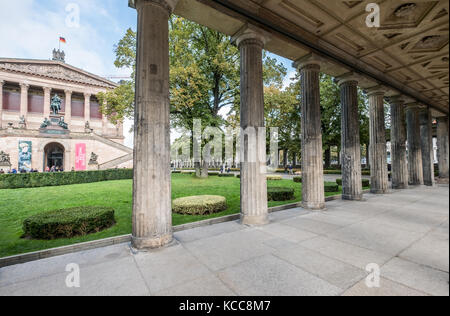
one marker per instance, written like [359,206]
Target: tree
[204,76]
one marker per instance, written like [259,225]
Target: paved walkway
[406,233]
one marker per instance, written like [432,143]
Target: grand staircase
[115,162]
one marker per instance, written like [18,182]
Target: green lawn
[17,205]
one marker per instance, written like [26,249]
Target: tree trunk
[204,170]
[328,157]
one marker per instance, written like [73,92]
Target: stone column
[313,190]
[152,201]
[378,150]
[87,107]
[24,99]
[414,149]
[398,144]
[47,99]
[254,209]
[68,112]
[443,150]
[350,141]
[1,103]
[426,141]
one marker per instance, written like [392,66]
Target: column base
[400,187]
[358,197]
[314,206]
[260,220]
[151,243]
[377,191]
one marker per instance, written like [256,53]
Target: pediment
[55,70]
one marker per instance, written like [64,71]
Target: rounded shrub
[339,182]
[199,205]
[274,178]
[280,194]
[331,187]
[298,179]
[68,223]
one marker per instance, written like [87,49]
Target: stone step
[112,143]
[115,162]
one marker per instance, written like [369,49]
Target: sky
[31,29]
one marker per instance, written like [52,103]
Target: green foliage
[280,194]
[34,180]
[226,175]
[331,187]
[298,179]
[67,223]
[332,171]
[199,205]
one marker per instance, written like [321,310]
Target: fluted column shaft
[313,191]
[426,140]
[1,103]
[414,148]
[350,142]
[254,209]
[68,110]
[378,150]
[24,99]
[398,145]
[443,150]
[47,101]
[152,208]
[87,107]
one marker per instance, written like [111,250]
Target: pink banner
[80,157]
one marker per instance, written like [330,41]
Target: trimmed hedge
[280,194]
[199,205]
[213,174]
[298,179]
[331,188]
[365,182]
[226,175]
[35,180]
[68,223]
[274,178]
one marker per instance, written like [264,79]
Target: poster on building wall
[25,155]
[80,157]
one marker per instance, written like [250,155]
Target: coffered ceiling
[408,52]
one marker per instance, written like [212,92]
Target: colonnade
[152,214]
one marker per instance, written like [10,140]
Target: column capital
[169,5]
[397,99]
[2,82]
[47,89]
[412,106]
[24,85]
[311,61]
[378,90]
[87,95]
[251,33]
[350,78]
[68,92]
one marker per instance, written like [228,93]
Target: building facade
[75,137]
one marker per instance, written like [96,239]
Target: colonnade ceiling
[409,52]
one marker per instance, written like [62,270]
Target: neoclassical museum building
[76,136]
